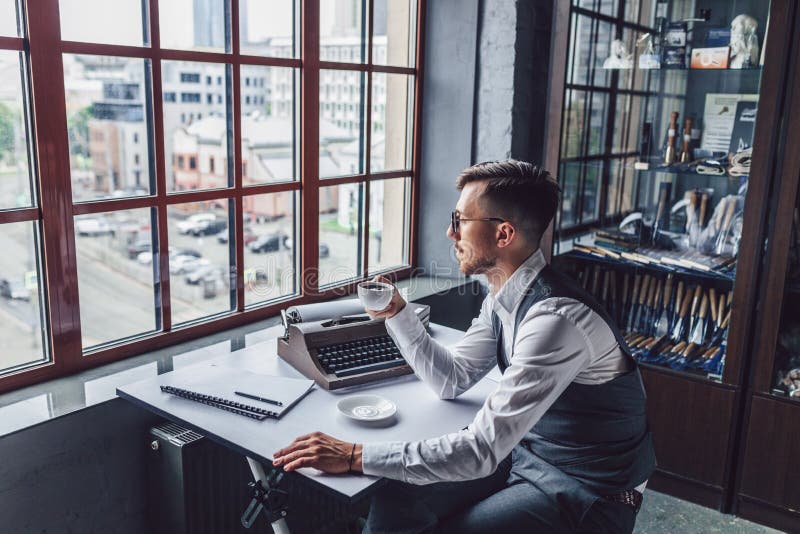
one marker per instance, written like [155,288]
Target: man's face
[475,241]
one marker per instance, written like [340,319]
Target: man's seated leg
[401,507]
[520,507]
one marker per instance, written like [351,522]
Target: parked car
[185,264]
[93,227]
[146,258]
[249,236]
[14,290]
[185,252]
[208,227]
[216,272]
[255,274]
[266,243]
[324,251]
[137,247]
[193,221]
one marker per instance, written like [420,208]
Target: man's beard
[471,262]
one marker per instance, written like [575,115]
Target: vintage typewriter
[338,345]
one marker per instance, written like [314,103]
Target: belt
[631,498]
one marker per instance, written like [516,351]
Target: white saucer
[367,407]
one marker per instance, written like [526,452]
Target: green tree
[6,134]
[78,128]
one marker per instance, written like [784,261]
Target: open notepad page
[222,382]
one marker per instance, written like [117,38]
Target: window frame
[55,210]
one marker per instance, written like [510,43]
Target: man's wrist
[356,465]
[398,310]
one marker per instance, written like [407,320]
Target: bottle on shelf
[669,153]
[686,150]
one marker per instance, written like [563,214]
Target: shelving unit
[695,408]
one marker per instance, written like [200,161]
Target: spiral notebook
[223,389]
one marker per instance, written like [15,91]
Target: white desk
[420,413]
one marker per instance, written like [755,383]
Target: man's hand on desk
[395,305]
[320,451]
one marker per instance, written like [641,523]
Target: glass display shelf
[654,168]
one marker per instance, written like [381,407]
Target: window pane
[270,235]
[114,252]
[591,190]
[100,21]
[269,28]
[569,181]
[597,124]
[341,123]
[270,124]
[197,125]
[392,117]
[342,29]
[606,7]
[8,19]
[196,25]
[22,328]
[200,263]
[591,45]
[109,112]
[340,230]
[620,187]
[393,37]
[389,223]
[15,174]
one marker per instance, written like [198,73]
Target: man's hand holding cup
[374,295]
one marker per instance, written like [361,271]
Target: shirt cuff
[383,459]
[405,327]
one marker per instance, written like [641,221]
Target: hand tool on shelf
[644,320]
[679,329]
[658,304]
[640,304]
[701,219]
[653,349]
[662,203]
[675,307]
[726,225]
[698,290]
[717,360]
[712,310]
[668,355]
[661,322]
[623,311]
[628,326]
[695,338]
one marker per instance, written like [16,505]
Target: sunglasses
[456,220]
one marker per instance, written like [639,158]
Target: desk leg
[279,525]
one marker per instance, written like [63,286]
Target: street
[117,297]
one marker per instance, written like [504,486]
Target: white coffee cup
[375,296]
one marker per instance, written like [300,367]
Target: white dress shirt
[559,340]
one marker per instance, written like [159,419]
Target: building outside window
[136,182]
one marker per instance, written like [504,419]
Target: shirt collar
[513,291]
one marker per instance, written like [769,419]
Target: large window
[170,168]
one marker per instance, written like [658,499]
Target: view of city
[109,105]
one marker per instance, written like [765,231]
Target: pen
[256,397]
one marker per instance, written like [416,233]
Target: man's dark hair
[516,191]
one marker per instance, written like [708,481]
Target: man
[569,409]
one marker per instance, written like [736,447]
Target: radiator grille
[200,487]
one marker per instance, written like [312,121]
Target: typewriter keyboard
[360,356]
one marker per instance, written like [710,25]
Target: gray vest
[593,440]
